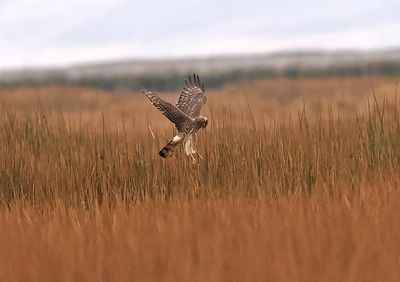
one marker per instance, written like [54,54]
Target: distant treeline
[173,80]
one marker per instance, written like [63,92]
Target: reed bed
[298,182]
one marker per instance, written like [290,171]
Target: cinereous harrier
[185,115]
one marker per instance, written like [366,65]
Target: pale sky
[54,33]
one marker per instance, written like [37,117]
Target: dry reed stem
[299,182]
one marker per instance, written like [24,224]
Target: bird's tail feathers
[167,150]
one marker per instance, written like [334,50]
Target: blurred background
[119,44]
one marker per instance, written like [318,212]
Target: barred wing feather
[192,97]
[174,114]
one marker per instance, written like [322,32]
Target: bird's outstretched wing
[192,97]
[175,115]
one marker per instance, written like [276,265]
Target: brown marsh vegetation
[299,182]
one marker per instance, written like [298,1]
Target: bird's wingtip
[146,92]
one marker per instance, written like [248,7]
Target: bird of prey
[185,115]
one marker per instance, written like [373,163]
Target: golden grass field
[299,182]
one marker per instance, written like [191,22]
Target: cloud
[46,32]
[33,22]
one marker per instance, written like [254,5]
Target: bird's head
[202,121]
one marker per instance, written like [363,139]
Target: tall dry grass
[299,182]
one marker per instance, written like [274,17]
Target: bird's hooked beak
[205,123]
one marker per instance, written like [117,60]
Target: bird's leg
[193,159]
[195,146]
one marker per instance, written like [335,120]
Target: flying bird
[185,115]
